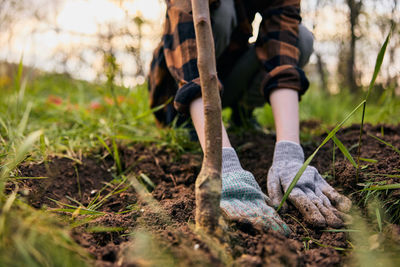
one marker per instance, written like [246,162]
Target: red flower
[120,99]
[108,100]
[56,100]
[95,105]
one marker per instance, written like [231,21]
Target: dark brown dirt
[174,176]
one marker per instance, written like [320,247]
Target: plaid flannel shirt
[174,73]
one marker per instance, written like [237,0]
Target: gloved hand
[312,195]
[242,198]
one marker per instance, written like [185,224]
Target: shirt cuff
[285,77]
[187,93]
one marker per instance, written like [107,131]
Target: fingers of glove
[341,202]
[307,208]
[274,188]
[270,218]
[328,204]
[284,228]
[268,200]
[321,196]
[257,214]
[228,210]
[327,211]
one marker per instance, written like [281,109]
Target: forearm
[197,115]
[285,108]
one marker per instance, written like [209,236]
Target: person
[249,74]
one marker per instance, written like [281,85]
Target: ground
[118,214]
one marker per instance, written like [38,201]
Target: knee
[306,45]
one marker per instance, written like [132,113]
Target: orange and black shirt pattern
[173,70]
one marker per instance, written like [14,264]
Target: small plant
[208,182]
[96,203]
[378,65]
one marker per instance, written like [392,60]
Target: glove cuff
[288,151]
[230,160]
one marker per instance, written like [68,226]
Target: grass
[78,116]
[55,115]
[313,107]
[31,237]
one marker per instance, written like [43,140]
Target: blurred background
[110,42]
[74,37]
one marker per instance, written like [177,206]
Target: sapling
[208,183]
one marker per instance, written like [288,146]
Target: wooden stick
[208,183]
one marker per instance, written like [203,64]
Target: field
[90,180]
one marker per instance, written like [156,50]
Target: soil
[173,175]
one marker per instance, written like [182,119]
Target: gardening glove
[242,198]
[312,195]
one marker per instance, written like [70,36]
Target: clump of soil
[174,175]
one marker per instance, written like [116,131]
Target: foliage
[55,115]
[313,107]
[31,237]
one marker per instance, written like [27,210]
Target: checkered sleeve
[181,53]
[277,47]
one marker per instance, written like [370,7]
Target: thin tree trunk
[321,72]
[208,183]
[355,10]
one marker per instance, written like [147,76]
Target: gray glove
[242,198]
[312,195]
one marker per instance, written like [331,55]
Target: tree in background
[351,76]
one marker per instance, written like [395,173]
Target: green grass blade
[151,111]
[42,141]
[2,123]
[63,204]
[341,230]
[147,180]
[5,209]
[369,160]
[22,124]
[75,201]
[384,175]
[116,156]
[81,211]
[102,229]
[386,143]
[18,77]
[101,140]
[29,178]
[379,60]
[25,147]
[323,245]
[382,187]
[379,219]
[310,158]
[377,68]
[21,151]
[344,150]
